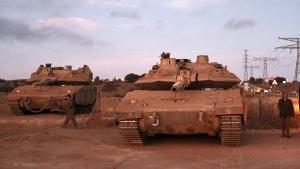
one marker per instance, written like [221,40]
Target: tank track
[129,130]
[231,130]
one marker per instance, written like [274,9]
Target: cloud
[190,4]
[72,23]
[159,24]
[14,30]
[239,24]
[124,15]
[53,7]
[115,3]
[126,19]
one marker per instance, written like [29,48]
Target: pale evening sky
[117,37]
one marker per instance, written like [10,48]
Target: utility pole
[246,65]
[265,61]
[296,46]
[251,67]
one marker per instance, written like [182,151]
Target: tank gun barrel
[180,84]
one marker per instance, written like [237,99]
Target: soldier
[286,111]
[70,114]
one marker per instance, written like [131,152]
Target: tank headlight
[68,91]
[18,91]
[132,101]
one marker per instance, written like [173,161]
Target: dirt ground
[28,144]
[38,141]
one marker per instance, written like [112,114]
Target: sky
[117,37]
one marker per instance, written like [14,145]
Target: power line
[291,47]
[265,61]
[246,60]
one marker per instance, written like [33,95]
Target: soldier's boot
[283,133]
[288,132]
[74,122]
[287,126]
[68,118]
[66,122]
[283,127]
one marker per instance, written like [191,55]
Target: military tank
[55,89]
[182,97]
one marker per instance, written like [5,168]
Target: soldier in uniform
[286,112]
[70,114]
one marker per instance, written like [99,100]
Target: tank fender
[129,115]
[229,102]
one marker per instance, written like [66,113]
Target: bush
[2,80]
[6,88]
[252,80]
[131,78]
[259,81]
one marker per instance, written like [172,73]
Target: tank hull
[182,112]
[28,99]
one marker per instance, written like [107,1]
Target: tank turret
[202,74]
[48,74]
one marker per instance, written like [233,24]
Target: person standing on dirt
[70,111]
[286,112]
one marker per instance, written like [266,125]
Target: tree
[259,80]
[2,80]
[131,78]
[252,80]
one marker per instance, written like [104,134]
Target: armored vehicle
[56,89]
[182,97]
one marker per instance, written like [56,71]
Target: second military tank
[182,97]
[55,89]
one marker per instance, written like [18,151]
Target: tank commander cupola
[202,59]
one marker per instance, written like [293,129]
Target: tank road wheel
[129,130]
[231,130]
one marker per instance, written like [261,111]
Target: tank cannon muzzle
[180,84]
